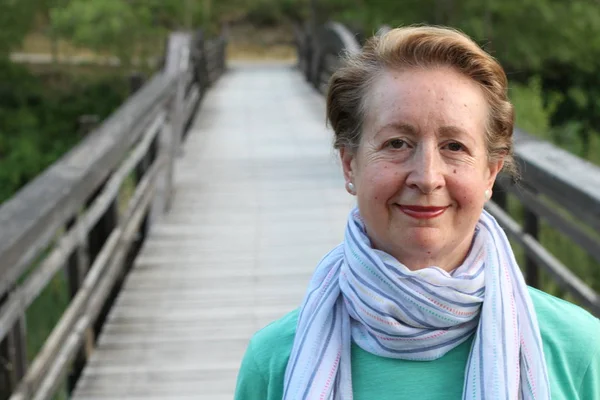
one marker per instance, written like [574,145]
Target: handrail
[318,56]
[562,190]
[569,180]
[556,186]
[346,38]
[302,41]
[68,216]
[331,41]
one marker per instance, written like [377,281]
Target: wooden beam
[562,275]
[32,217]
[77,308]
[21,298]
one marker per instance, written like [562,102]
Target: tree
[16,17]
[111,26]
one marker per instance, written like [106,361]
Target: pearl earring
[350,187]
[488,194]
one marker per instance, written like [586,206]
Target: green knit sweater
[571,338]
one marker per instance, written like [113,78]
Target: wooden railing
[556,187]
[74,218]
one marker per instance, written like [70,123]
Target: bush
[38,118]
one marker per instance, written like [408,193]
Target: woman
[424,298]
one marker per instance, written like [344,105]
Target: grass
[43,315]
[246,42]
[243,52]
[38,43]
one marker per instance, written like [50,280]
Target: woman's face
[421,170]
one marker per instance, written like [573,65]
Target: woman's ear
[494,169]
[347,156]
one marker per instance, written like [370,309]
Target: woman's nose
[426,170]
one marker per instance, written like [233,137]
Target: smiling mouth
[422,212]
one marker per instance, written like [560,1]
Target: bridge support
[13,358]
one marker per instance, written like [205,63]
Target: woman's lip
[422,212]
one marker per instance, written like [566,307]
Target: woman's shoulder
[270,348]
[263,367]
[560,316]
[571,346]
[275,339]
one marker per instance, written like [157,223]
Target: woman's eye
[454,146]
[396,143]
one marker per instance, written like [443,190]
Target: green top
[571,338]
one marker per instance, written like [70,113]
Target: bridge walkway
[259,199]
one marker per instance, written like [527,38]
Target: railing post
[200,69]
[86,123]
[309,50]
[531,227]
[13,358]
[6,387]
[136,81]
[79,264]
[96,239]
[222,48]
[170,134]
[178,123]
[77,269]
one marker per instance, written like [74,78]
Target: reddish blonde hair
[420,47]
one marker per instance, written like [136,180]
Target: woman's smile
[422,212]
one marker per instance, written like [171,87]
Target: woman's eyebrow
[452,131]
[398,127]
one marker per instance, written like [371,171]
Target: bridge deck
[259,199]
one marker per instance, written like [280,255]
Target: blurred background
[65,65]
[64,59]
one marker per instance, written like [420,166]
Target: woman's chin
[423,241]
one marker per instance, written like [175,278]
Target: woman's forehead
[413,100]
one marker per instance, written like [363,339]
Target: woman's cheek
[466,196]
[383,180]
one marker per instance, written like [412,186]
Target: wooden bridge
[195,215]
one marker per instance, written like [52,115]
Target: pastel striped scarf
[364,295]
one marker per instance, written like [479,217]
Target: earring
[350,188]
[487,194]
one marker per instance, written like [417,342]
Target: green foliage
[525,34]
[534,111]
[112,26]
[38,122]
[45,312]
[531,114]
[16,19]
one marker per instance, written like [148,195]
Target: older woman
[424,298]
